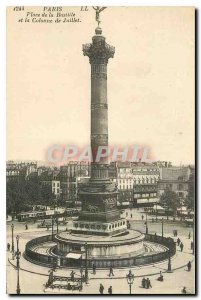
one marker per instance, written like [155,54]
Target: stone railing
[52,260]
[39,258]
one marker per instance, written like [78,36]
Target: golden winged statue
[98,9]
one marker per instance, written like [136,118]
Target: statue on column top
[98,9]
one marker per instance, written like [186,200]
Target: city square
[177,279]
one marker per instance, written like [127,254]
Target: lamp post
[52,229]
[18,255]
[57,225]
[81,271]
[130,279]
[162,228]
[86,268]
[156,211]
[169,270]
[193,235]
[12,247]
[147,231]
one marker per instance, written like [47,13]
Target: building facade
[136,182]
[175,179]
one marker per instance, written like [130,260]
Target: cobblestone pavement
[33,277]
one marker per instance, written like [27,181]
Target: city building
[51,179]
[175,179]
[19,170]
[136,182]
[70,175]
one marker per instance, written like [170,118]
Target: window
[180,187]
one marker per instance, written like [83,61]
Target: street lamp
[86,269]
[146,225]
[130,279]
[193,236]
[12,247]
[169,270]
[81,271]
[57,225]
[18,255]
[52,229]
[162,228]
[84,249]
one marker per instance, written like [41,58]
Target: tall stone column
[99,52]
[99,195]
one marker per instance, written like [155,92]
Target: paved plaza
[172,284]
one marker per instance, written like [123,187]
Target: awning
[158,207]
[147,200]
[73,255]
[125,203]
[183,208]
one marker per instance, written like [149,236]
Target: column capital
[98,51]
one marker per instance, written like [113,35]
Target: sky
[150,81]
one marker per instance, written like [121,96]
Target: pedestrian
[131,216]
[178,241]
[8,247]
[160,278]
[26,226]
[181,246]
[189,266]
[176,232]
[94,269]
[189,235]
[69,286]
[101,289]
[50,278]
[184,290]
[142,217]
[111,271]
[143,282]
[149,283]
[110,290]
[72,277]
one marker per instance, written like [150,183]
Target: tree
[170,200]
[16,196]
[47,197]
[33,190]
[190,199]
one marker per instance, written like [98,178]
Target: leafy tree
[33,190]
[47,197]
[190,199]
[189,202]
[16,196]
[21,194]
[170,200]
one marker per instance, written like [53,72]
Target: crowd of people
[146,283]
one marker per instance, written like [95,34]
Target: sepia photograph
[100,158]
